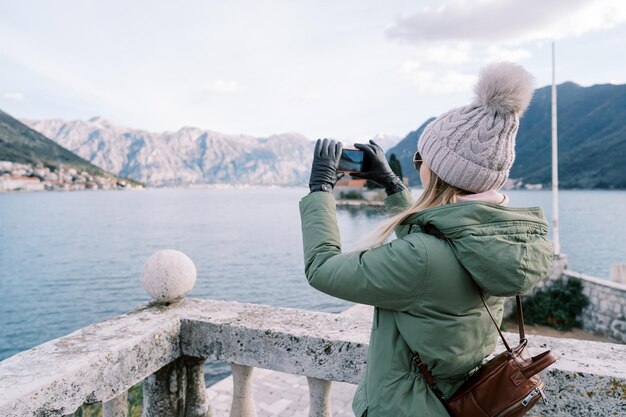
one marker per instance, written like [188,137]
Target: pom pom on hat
[504,87]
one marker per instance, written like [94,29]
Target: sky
[343,69]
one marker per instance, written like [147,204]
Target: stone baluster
[319,397]
[116,407]
[243,403]
[176,389]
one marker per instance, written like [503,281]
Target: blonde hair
[436,193]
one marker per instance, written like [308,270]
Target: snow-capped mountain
[188,156]
[385,140]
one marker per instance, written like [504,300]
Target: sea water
[69,259]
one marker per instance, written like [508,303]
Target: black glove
[377,169]
[325,162]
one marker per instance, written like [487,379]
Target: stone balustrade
[165,344]
[158,345]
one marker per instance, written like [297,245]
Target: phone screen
[351,160]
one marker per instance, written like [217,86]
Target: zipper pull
[543,396]
[530,396]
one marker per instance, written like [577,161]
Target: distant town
[16,176]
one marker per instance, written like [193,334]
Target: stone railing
[166,347]
[164,344]
[606,312]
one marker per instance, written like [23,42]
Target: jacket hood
[506,250]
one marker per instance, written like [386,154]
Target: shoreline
[360,203]
[236,186]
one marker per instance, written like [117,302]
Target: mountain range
[591,127]
[187,156]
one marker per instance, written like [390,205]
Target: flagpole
[555,168]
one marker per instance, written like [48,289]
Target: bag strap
[428,377]
[520,321]
[522,339]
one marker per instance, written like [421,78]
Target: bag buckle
[417,360]
[427,376]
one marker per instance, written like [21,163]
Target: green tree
[394,163]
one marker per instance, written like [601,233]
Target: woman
[459,236]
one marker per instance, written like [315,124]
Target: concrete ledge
[103,360]
[582,394]
[93,364]
[321,345]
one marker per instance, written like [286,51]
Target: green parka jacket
[421,287]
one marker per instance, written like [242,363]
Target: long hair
[436,193]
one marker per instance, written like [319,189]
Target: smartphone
[351,160]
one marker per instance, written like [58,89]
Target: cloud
[308,97]
[499,53]
[458,53]
[430,81]
[222,87]
[15,96]
[312,96]
[437,69]
[32,56]
[507,21]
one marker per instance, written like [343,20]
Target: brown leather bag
[508,385]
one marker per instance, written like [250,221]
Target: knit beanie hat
[473,147]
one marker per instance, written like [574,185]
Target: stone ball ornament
[168,275]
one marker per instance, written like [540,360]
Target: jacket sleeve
[391,276]
[397,203]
